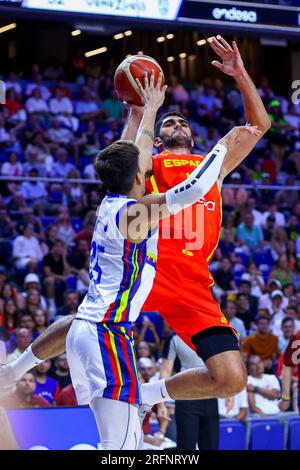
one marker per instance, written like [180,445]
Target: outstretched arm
[133,121]
[143,216]
[256,114]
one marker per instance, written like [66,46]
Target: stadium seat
[232,435]
[76,224]
[294,434]
[71,282]
[48,220]
[267,434]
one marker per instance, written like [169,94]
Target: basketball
[128,71]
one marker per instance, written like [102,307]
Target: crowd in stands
[54,129]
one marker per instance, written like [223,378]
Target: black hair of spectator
[163,117]
[241,294]
[286,319]
[263,317]
[59,240]
[117,166]
[68,292]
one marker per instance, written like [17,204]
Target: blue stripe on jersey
[137,283]
[127,272]
[132,356]
[109,374]
[149,261]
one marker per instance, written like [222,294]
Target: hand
[233,137]
[284,405]
[152,96]
[232,63]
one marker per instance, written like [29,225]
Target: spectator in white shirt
[279,217]
[89,171]
[86,108]
[263,389]
[256,280]
[61,167]
[292,312]
[32,163]
[234,407]
[36,104]
[12,82]
[265,300]
[34,190]
[287,331]
[277,312]
[258,216]
[26,250]
[62,107]
[38,84]
[59,134]
[13,167]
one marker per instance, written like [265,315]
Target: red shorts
[188,309]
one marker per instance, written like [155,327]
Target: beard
[177,140]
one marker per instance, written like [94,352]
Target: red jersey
[186,245]
[292,354]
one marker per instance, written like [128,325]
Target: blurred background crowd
[53,128]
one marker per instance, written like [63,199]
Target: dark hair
[117,166]
[286,319]
[263,317]
[163,117]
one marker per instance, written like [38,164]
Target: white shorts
[102,363]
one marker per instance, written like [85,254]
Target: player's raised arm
[133,121]
[153,96]
[146,213]
[256,114]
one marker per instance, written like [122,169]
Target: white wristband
[198,183]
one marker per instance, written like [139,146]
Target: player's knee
[232,383]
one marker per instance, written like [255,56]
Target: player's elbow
[265,125]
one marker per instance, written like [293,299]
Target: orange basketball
[131,68]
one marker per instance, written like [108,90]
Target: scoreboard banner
[148,9]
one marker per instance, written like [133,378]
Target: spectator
[229,310]
[265,300]
[291,360]
[26,250]
[87,108]
[256,281]
[249,233]
[41,322]
[34,191]
[65,231]
[148,326]
[36,104]
[46,387]
[234,197]
[224,280]
[59,134]
[282,273]
[60,372]
[279,217]
[13,167]
[67,397]
[269,231]
[10,314]
[38,85]
[277,312]
[23,340]
[32,281]
[244,311]
[24,396]
[112,106]
[234,407]
[292,312]
[287,331]
[61,166]
[25,321]
[263,389]
[262,344]
[56,270]
[33,301]
[7,292]
[226,244]
[71,303]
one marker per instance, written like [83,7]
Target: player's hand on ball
[232,63]
[153,96]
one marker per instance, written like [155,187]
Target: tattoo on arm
[148,133]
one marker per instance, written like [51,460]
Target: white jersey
[121,272]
